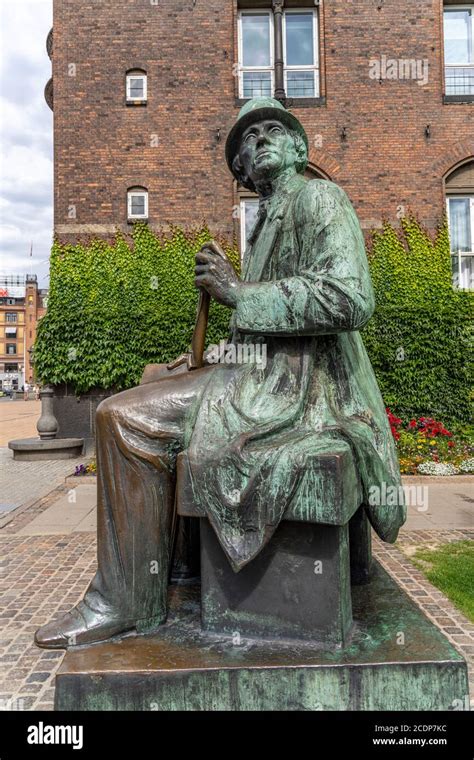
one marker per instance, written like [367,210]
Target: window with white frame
[248,217]
[137,203]
[459,49]
[461,234]
[11,316]
[136,86]
[255,53]
[300,53]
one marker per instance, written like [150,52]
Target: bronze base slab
[396,660]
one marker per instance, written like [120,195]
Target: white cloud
[26,138]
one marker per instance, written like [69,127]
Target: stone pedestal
[182,667]
[298,587]
[76,414]
[47,445]
[34,449]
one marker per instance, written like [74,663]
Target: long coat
[307,293]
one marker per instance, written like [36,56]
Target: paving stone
[37,677]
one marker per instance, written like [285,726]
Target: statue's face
[267,148]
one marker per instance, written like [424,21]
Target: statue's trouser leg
[138,433]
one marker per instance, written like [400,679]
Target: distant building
[22,304]
[385,91]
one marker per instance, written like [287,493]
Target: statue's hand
[215,273]
[185,361]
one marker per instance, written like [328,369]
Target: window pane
[455,270]
[300,84]
[256,83]
[256,40]
[457,36]
[250,216]
[136,87]
[138,205]
[459,80]
[299,39]
[460,224]
[466,279]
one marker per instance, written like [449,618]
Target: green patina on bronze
[305,293]
[180,667]
[279,455]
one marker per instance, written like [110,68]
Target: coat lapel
[264,236]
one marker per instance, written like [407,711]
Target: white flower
[467,465]
[437,468]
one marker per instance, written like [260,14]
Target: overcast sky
[26,138]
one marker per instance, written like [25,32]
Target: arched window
[459,186]
[313,172]
[137,203]
[136,86]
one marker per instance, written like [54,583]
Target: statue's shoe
[81,625]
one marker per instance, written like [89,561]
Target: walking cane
[185,540]
[194,359]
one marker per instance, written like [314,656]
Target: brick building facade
[145,92]
[22,304]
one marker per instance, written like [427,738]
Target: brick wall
[102,147]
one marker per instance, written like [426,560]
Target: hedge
[114,307]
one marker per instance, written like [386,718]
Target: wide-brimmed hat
[255,110]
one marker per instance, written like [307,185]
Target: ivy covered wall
[420,338]
[113,308]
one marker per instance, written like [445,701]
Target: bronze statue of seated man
[305,292]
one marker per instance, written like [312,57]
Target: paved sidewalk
[73,512]
[23,483]
[441,502]
[18,419]
[433,505]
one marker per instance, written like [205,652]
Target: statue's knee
[105,409]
